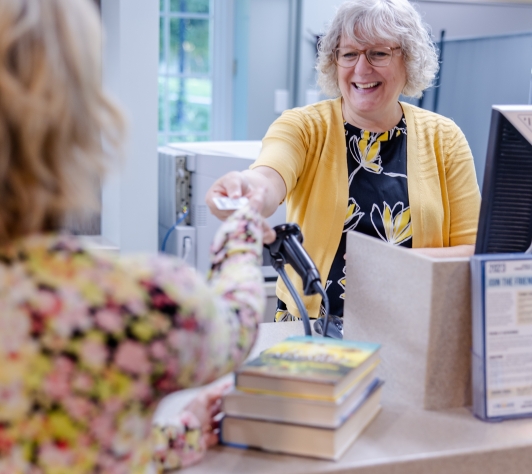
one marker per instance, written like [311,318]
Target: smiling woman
[368,22]
[370,89]
[364,161]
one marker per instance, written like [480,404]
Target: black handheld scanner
[287,248]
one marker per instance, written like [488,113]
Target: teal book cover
[319,359]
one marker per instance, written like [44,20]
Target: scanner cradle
[288,248]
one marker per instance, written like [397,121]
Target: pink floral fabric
[90,343]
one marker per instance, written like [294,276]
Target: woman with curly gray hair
[363,160]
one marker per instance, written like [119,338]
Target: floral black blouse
[378,197]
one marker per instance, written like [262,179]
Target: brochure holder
[419,309]
[502,335]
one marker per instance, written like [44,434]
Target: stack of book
[307,396]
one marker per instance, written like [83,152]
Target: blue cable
[179,220]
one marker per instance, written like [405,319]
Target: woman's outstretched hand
[242,184]
[233,185]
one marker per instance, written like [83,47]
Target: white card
[229,204]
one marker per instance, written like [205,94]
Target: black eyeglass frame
[365,51]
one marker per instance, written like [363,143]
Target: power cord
[325,301]
[278,264]
[180,219]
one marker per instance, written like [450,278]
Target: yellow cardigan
[307,147]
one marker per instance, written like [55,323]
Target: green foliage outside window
[185,84]
[191,6]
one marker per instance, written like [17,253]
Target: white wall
[129,197]
[262,53]
[222,45]
[467,20]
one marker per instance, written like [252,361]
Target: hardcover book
[501,298]
[301,411]
[309,367]
[303,440]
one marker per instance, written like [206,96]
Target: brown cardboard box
[419,309]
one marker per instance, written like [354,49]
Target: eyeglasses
[380,56]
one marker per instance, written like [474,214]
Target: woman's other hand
[206,407]
[185,440]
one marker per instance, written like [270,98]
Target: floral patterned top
[89,344]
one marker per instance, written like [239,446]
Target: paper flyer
[508,337]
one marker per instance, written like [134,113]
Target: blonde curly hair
[374,21]
[54,115]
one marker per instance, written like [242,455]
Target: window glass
[189,103]
[191,6]
[189,46]
[187,137]
[161,5]
[185,81]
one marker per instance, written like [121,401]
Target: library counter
[401,440]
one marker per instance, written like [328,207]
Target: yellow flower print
[114,384]
[366,152]
[143,330]
[61,427]
[353,215]
[341,282]
[396,223]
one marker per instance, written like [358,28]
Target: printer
[186,172]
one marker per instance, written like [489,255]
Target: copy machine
[186,172]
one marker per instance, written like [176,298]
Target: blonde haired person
[89,343]
[364,161]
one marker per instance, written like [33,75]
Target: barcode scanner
[288,248]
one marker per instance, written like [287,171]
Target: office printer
[186,172]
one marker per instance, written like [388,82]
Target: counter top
[401,440]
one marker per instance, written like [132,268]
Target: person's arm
[463,197]
[463,193]
[237,184]
[213,321]
[280,163]
[203,330]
